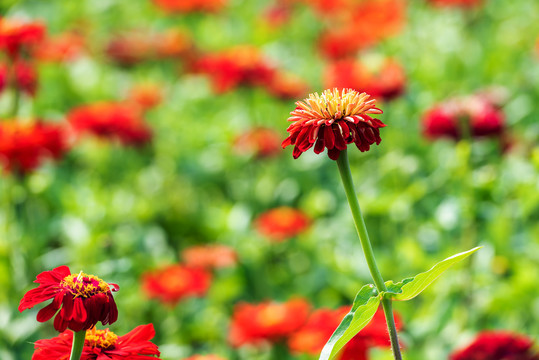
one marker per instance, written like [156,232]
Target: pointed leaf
[411,287]
[365,305]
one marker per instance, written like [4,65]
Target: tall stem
[346,177]
[78,344]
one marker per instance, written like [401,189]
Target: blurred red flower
[321,324]
[172,283]
[210,256]
[259,141]
[282,223]
[387,81]
[61,48]
[205,357]
[82,299]
[461,3]
[146,95]
[287,86]
[110,120]
[25,77]
[101,344]
[16,35]
[333,120]
[241,65]
[3,77]
[498,345]
[277,15]
[23,146]
[270,321]
[184,6]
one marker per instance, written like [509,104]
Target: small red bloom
[205,357]
[210,256]
[287,86]
[82,299]
[172,283]
[111,121]
[101,344]
[282,223]
[146,95]
[3,77]
[333,120]
[184,6]
[458,3]
[260,141]
[61,48]
[25,77]
[23,146]
[266,322]
[498,345]
[16,36]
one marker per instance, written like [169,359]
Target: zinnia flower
[16,35]
[333,120]
[266,322]
[82,299]
[260,141]
[101,344]
[3,77]
[146,95]
[184,6]
[210,256]
[498,345]
[205,357]
[287,86]
[282,223]
[25,77]
[61,48]
[173,283]
[457,3]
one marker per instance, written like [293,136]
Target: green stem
[78,344]
[346,177]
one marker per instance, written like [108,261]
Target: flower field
[151,185]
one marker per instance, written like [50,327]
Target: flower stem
[78,344]
[346,177]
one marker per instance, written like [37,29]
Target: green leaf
[411,287]
[365,305]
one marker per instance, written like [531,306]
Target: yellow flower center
[84,285]
[100,338]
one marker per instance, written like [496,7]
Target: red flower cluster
[110,120]
[282,223]
[386,82]
[260,141]
[23,147]
[333,120]
[210,256]
[459,3]
[172,283]
[321,324]
[474,115]
[82,299]
[17,36]
[184,6]
[101,344]
[498,345]
[270,321]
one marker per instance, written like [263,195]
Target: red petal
[319,145]
[79,312]
[334,153]
[339,141]
[329,137]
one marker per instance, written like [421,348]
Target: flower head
[260,141]
[184,6]
[498,345]
[333,120]
[82,299]
[16,35]
[210,256]
[266,322]
[282,223]
[458,3]
[64,47]
[173,283]
[146,95]
[101,344]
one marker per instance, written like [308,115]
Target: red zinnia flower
[172,283]
[259,141]
[24,146]
[183,6]
[334,120]
[287,86]
[204,357]
[61,48]
[282,223]
[82,299]
[266,322]
[146,95]
[498,345]
[210,256]
[461,3]
[16,35]
[3,77]
[111,120]
[101,344]
[25,77]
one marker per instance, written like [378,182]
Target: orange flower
[205,357]
[260,141]
[266,322]
[287,86]
[333,120]
[173,43]
[173,283]
[146,95]
[130,48]
[385,82]
[16,35]
[282,223]
[461,3]
[210,256]
[61,48]
[183,6]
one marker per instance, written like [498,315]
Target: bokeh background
[183,150]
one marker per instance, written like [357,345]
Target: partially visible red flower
[259,141]
[184,6]
[111,120]
[131,47]
[173,283]
[277,15]
[333,120]
[25,77]
[241,65]
[61,48]
[17,36]
[287,86]
[282,223]
[205,357]
[3,77]
[210,256]
[101,344]
[270,321]
[173,43]
[83,300]
[146,95]
[24,146]
[386,82]
[498,345]
[458,3]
